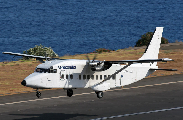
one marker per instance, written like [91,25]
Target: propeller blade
[94,58]
[88,58]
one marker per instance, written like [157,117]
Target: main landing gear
[69,92]
[99,94]
[38,94]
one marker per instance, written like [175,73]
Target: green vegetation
[101,50]
[145,40]
[41,51]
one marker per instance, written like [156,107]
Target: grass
[12,73]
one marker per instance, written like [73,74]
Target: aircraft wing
[164,69]
[139,61]
[25,55]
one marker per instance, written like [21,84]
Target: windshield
[44,70]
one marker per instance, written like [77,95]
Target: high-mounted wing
[139,61]
[41,58]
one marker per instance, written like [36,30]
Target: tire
[69,92]
[38,94]
[100,94]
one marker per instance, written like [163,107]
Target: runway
[151,98]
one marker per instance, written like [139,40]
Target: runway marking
[46,98]
[55,97]
[9,103]
[139,113]
[148,85]
[32,100]
[179,81]
[165,83]
[157,84]
[134,87]
[89,93]
[123,88]
[85,93]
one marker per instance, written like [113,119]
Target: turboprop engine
[100,66]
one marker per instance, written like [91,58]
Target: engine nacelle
[100,66]
[101,87]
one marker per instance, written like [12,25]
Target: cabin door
[118,80]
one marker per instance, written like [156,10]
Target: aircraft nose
[23,83]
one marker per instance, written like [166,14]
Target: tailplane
[152,49]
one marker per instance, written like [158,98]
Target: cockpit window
[44,70]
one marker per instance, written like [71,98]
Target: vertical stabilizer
[152,49]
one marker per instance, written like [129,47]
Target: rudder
[152,49]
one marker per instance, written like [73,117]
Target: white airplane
[100,76]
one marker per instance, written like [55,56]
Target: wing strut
[108,78]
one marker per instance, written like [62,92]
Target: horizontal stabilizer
[165,69]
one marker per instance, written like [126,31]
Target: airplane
[98,75]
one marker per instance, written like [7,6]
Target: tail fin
[152,49]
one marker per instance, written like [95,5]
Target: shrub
[41,51]
[145,39]
[100,50]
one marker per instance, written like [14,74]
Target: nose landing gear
[38,94]
[69,92]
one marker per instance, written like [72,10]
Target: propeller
[92,60]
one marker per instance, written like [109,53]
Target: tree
[145,39]
[41,51]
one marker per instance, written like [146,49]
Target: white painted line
[32,100]
[141,86]
[134,87]
[92,92]
[39,99]
[149,85]
[140,113]
[23,101]
[157,84]
[16,102]
[62,96]
[179,81]
[85,93]
[78,94]
[55,97]
[9,103]
[165,83]
[2,104]
[46,98]
[172,82]
[123,88]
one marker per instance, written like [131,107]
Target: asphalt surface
[151,98]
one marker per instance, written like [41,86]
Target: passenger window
[79,77]
[66,76]
[96,77]
[84,77]
[92,77]
[108,75]
[105,76]
[114,77]
[88,76]
[55,71]
[71,76]
[101,77]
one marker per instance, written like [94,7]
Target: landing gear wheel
[100,94]
[38,94]
[69,92]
